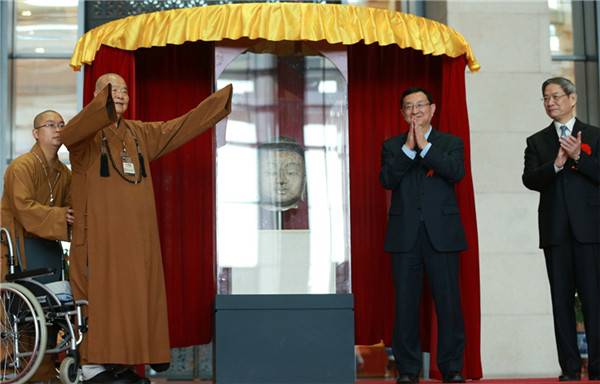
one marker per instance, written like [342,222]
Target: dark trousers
[442,275]
[572,267]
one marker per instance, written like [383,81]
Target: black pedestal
[284,339]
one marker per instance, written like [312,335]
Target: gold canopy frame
[333,23]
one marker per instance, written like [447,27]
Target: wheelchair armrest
[30,273]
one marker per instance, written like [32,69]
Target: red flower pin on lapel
[586,148]
[430,173]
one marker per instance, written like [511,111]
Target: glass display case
[282,170]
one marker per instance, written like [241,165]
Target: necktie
[563,130]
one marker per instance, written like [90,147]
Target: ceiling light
[46,27]
[327,86]
[53,3]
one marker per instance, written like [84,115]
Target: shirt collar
[428,132]
[569,125]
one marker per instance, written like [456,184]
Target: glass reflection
[286,208]
[46,27]
[41,84]
[561,27]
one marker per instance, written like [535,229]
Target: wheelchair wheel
[69,371]
[23,334]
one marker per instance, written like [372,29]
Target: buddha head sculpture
[282,173]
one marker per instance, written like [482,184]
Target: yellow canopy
[275,22]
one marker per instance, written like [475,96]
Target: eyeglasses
[52,125]
[554,98]
[418,106]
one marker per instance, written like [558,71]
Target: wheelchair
[33,304]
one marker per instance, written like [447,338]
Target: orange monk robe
[25,204]
[115,253]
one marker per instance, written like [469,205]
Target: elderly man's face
[120,93]
[282,178]
[559,105]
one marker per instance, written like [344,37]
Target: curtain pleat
[455,115]
[111,60]
[170,81]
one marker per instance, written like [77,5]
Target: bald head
[112,78]
[42,117]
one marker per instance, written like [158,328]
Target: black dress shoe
[130,377]
[160,367]
[407,378]
[105,377]
[453,377]
[570,376]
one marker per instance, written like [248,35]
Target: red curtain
[171,81]
[167,81]
[377,77]
[116,61]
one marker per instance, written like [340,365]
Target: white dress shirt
[557,126]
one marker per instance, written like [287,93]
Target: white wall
[511,42]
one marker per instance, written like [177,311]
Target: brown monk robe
[115,253]
[26,210]
[35,204]
[26,213]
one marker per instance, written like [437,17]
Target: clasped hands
[569,147]
[416,136]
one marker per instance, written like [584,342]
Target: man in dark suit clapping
[425,232]
[562,163]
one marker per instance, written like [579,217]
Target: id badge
[128,166]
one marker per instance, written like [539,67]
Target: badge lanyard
[128,166]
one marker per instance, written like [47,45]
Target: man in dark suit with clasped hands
[424,232]
[562,163]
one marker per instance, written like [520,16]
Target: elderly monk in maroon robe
[115,253]
[36,201]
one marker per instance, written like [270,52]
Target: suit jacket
[570,197]
[424,188]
